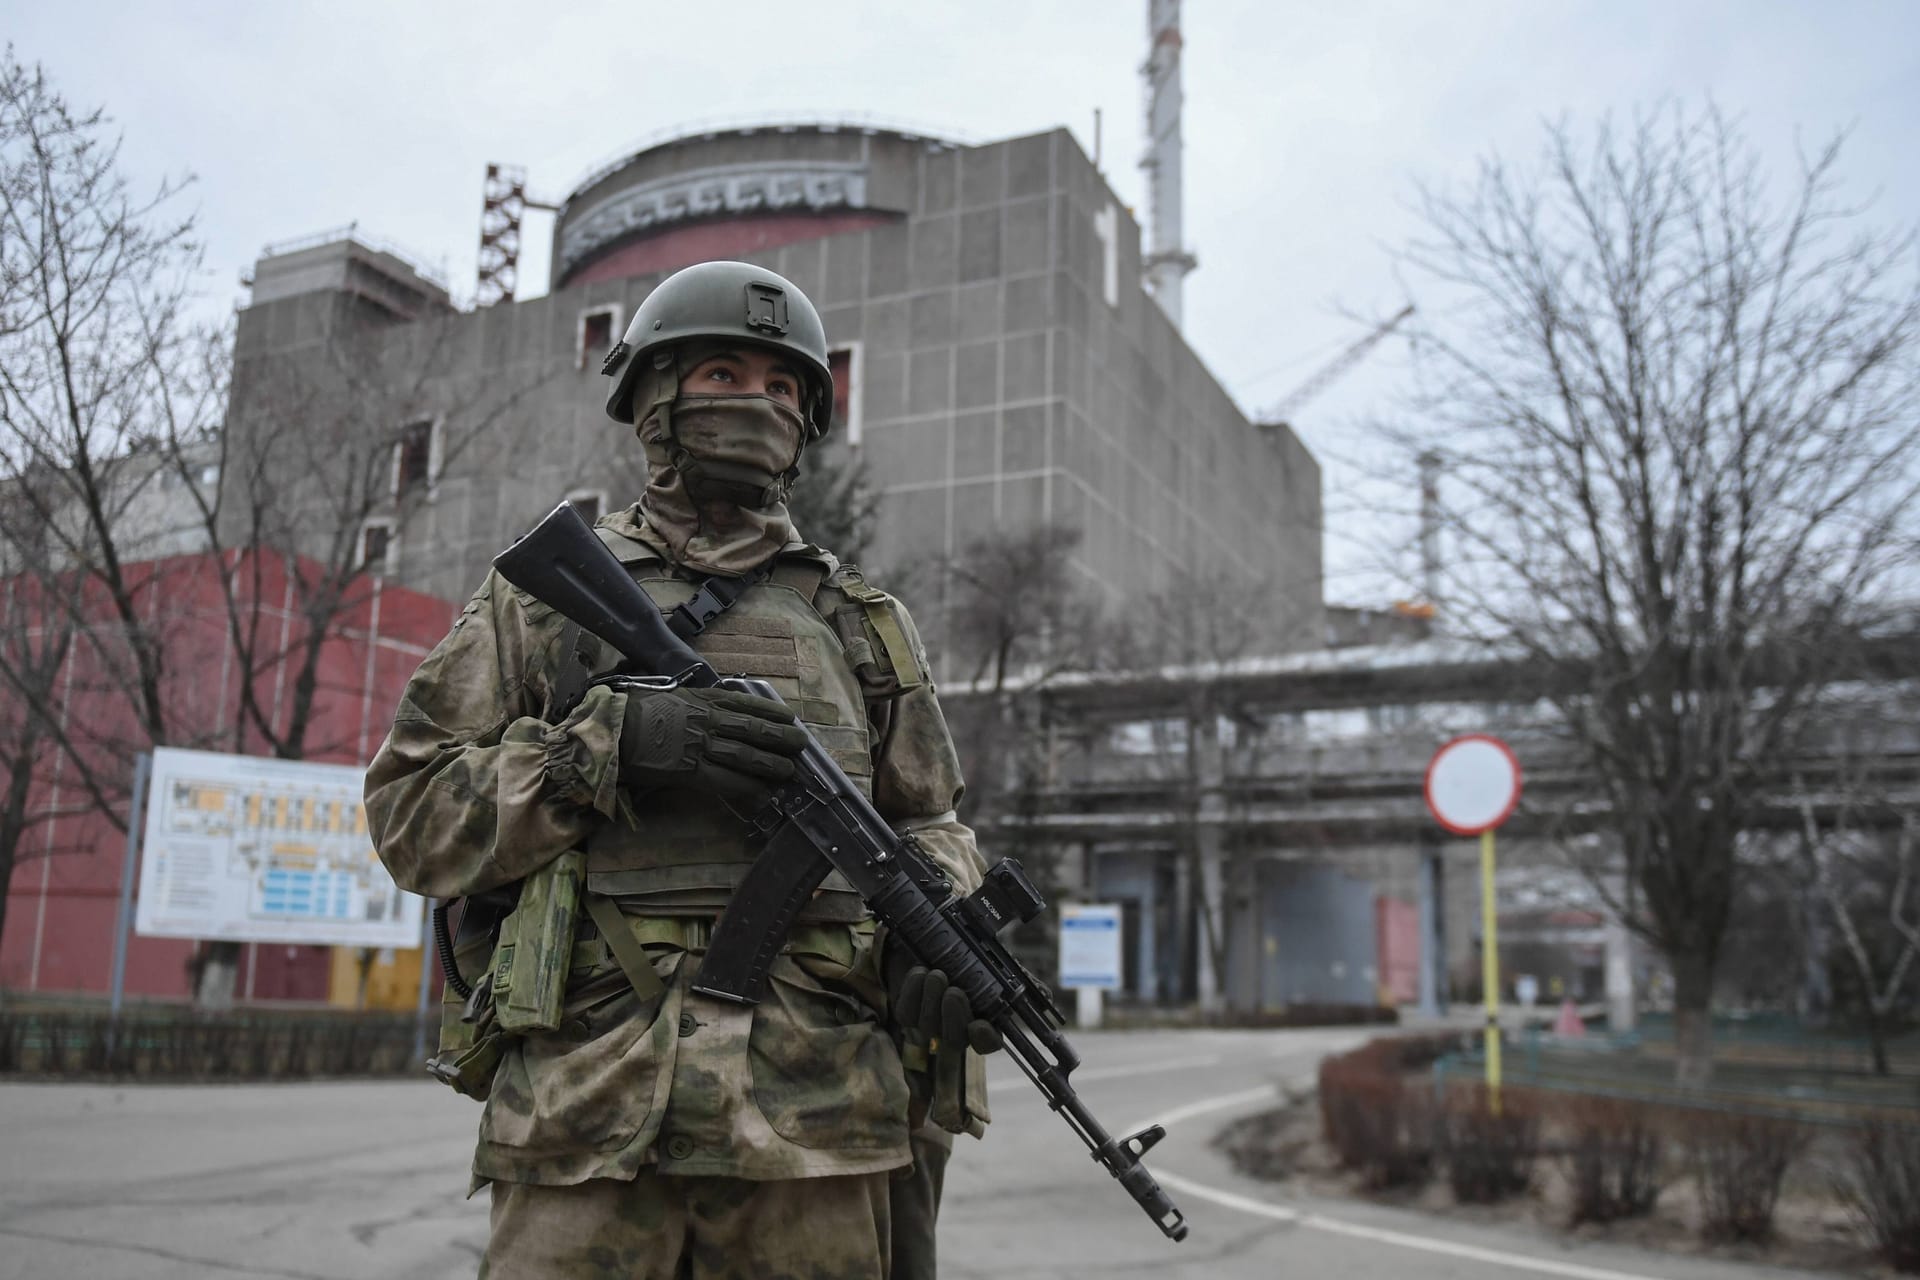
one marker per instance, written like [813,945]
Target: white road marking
[1358,1231]
[1080,1077]
[1144,1068]
[1221,1103]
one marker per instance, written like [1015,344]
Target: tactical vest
[830,646]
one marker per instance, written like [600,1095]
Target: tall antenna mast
[1167,260]
[504,202]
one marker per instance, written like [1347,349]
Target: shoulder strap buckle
[715,596]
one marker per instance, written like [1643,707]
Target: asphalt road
[364,1180]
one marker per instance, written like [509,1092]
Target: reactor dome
[731,193]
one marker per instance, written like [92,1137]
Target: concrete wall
[1317,938]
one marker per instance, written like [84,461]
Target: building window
[844,364]
[413,458]
[590,503]
[597,327]
[378,552]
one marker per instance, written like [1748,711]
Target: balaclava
[719,467]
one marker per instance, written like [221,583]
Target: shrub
[1739,1162]
[1385,1128]
[1377,1118]
[1881,1181]
[1490,1150]
[1612,1159]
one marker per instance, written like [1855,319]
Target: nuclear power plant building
[999,365]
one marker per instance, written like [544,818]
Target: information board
[246,849]
[1090,946]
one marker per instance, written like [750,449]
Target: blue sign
[1090,946]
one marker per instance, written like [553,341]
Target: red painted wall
[66,883]
[682,246]
[1396,931]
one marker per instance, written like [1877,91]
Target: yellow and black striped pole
[1490,966]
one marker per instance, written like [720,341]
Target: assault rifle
[820,822]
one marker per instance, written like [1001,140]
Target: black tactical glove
[735,745]
[935,1023]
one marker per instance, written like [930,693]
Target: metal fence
[169,1043]
[1781,1071]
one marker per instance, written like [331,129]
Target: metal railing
[1810,1087]
[376,244]
[765,122]
[175,1043]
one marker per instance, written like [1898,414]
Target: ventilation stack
[1167,260]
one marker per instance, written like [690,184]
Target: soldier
[657,1132]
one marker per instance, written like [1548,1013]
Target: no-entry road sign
[1473,784]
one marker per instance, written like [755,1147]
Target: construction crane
[1281,414]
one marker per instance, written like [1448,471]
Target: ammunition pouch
[471,1042]
[873,640]
[531,963]
[523,960]
[470,1052]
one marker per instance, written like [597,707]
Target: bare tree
[134,478]
[34,643]
[314,446]
[834,505]
[1018,614]
[1198,627]
[1859,842]
[1677,423]
[317,441]
[96,353]
[1018,607]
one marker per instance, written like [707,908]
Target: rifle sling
[626,948]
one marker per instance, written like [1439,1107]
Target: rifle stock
[820,821]
[564,563]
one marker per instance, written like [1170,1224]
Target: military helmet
[725,300]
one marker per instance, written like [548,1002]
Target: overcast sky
[1306,125]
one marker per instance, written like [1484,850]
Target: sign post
[429,957]
[1090,955]
[123,918]
[1472,786]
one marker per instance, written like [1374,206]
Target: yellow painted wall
[392,983]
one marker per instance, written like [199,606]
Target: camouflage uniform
[723,1229]
[913,1202]
[650,1119]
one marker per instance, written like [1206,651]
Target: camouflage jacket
[474,788]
